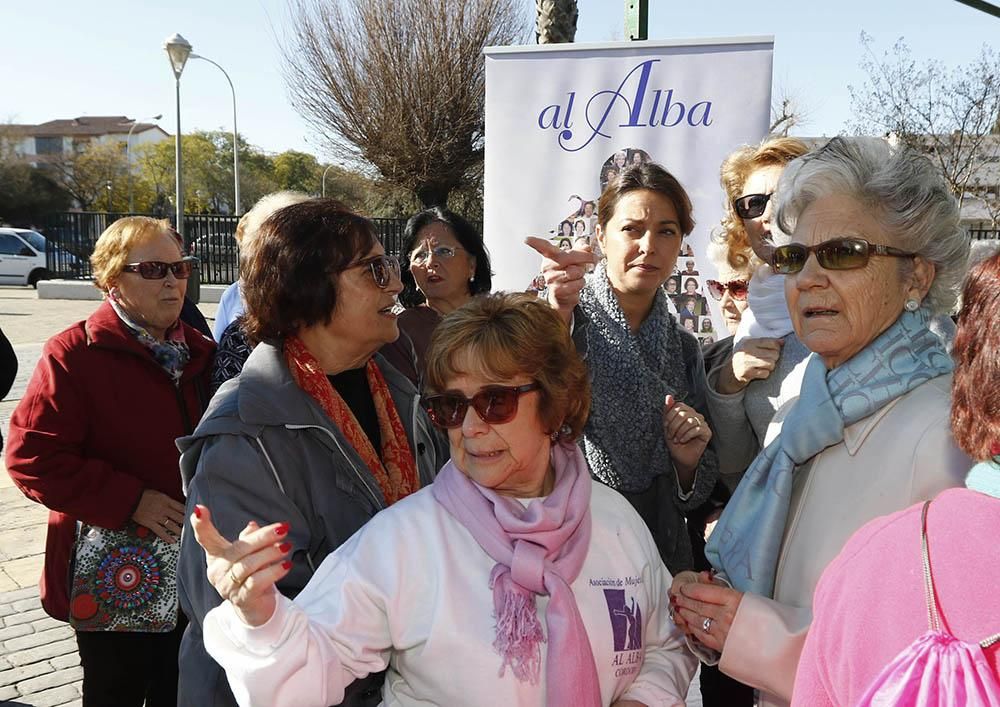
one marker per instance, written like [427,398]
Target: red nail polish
[281,529]
[197,511]
[285,547]
[286,565]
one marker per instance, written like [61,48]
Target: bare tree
[555,21]
[788,112]
[398,89]
[949,114]
[93,173]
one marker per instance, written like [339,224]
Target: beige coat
[898,456]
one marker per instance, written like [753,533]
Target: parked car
[22,257]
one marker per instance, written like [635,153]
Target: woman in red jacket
[93,440]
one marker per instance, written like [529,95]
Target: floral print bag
[123,580]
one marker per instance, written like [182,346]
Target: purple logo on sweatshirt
[626,620]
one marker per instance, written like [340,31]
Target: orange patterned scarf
[396,471]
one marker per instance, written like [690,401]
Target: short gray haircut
[904,190]
[254,218]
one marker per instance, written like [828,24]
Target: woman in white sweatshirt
[513,580]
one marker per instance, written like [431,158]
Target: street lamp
[323,180]
[178,50]
[236,150]
[128,158]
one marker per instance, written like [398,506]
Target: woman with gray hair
[875,251]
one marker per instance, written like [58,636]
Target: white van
[22,257]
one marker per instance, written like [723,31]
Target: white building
[39,143]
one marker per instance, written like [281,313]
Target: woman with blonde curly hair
[748,387]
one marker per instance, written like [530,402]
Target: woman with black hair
[444,264]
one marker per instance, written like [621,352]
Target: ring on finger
[706,625]
[234,579]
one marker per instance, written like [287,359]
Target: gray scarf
[630,376]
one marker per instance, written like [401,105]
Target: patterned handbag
[123,580]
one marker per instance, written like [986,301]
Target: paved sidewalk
[39,665]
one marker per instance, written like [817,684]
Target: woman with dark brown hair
[317,431]
[647,435]
[880,566]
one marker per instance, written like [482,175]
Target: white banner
[561,118]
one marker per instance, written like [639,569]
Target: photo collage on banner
[564,120]
[684,288]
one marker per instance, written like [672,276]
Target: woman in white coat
[876,249]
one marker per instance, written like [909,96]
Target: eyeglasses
[383,269]
[737,288]
[441,252]
[157,269]
[494,404]
[751,205]
[836,254]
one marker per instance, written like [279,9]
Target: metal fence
[983,234]
[209,236]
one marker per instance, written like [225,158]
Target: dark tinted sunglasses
[751,205]
[835,254]
[494,404]
[157,269]
[383,269]
[737,288]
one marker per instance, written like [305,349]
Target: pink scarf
[539,550]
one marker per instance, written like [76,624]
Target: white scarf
[767,313]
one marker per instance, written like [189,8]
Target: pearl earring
[912,305]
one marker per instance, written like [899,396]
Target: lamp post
[236,149]
[323,180]
[128,158]
[178,50]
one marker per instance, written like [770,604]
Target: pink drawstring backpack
[937,669]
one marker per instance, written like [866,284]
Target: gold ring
[235,581]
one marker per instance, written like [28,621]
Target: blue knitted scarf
[746,543]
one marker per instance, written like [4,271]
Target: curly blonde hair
[112,248]
[736,169]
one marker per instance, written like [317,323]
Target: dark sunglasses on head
[737,288]
[751,205]
[835,254]
[383,269]
[494,404]
[157,269]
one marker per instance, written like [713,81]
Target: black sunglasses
[751,205]
[383,269]
[737,288]
[494,404]
[835,254]
[157,269]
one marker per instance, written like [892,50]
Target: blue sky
[62,59]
